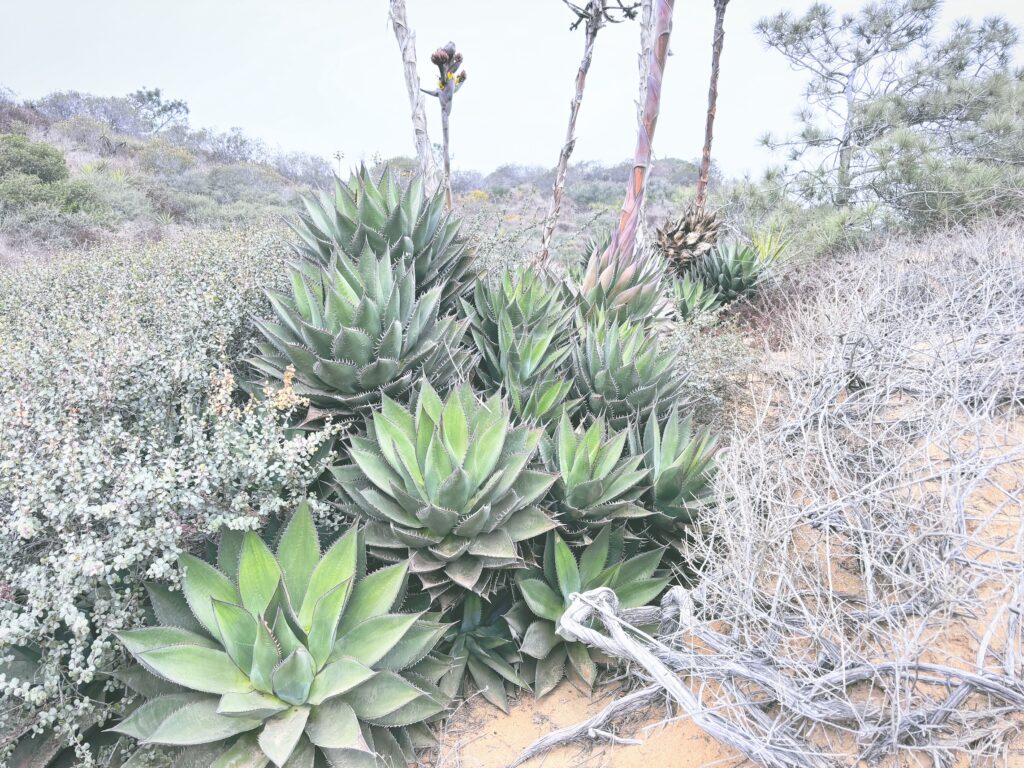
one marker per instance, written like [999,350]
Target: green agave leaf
[265,658]
[171,608]
[580,659]
[201,584]
[238,632]
[421,638]
[338,677]
[369,641]
[541,599]
[375,595]
[244,753]
[150,638]
[281,734]
[251,704]
[229,549]
[258,574]
[489,683]
[145,720]
[641,593]
[144,682]
[199,723]
[338,565]
[566,568]
[382,695]
[540,639]
[550,671]
[595,557]
[198,668]
[293,677]
[326,614]
[334,725]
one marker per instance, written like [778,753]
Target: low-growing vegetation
[294,467]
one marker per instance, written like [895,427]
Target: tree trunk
[624,240]
[595,10]
[407,46]
[845,192]
[709,128]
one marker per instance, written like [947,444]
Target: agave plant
[481,649]
[594,482]
[448,483]
[622,285]
[621,373]
[688,238]
[385,218]
[521,326]
[693,298]
[354,332]
[732,269]
[681,465]
[293,655]
[546,595]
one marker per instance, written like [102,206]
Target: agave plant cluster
[511,440]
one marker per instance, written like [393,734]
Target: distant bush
[18,190]
[164,159]
[19,154]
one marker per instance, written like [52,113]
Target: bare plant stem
[407,46]
[709,128]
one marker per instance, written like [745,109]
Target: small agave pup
[546,596]
[448,483]
[521,327]
[681,466]
[482,650]
[594,482]
[296,656]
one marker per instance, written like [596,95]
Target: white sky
[323,76]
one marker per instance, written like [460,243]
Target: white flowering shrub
[123,441]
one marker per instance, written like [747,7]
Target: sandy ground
[482,736]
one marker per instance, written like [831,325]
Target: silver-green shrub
[122,441]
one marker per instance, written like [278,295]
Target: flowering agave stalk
[354,332]
[482,650]
[595,482]
[622,374]
[681,465]
[521,328]
[448,483]
[447,60]
[547,593]
[293,656]
[389,219]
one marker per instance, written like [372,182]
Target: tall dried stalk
[623,241]
[709,128]
[407,46]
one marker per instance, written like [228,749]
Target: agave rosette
[692,297]
[622,285]
[356,331]
[521,325]
[732,270]
[386,218]
[681,463]
[448,483]
[482,651]
[621,372]
[546,593]
[596,482]
[296,655]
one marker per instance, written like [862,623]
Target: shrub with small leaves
[292,655]
[546,596]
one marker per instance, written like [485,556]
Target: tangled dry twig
[865,565]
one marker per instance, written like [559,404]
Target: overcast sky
[324,75]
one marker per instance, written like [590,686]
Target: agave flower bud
[636,581]
[462,77]
[439,57]
[292,655]
[457,59]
